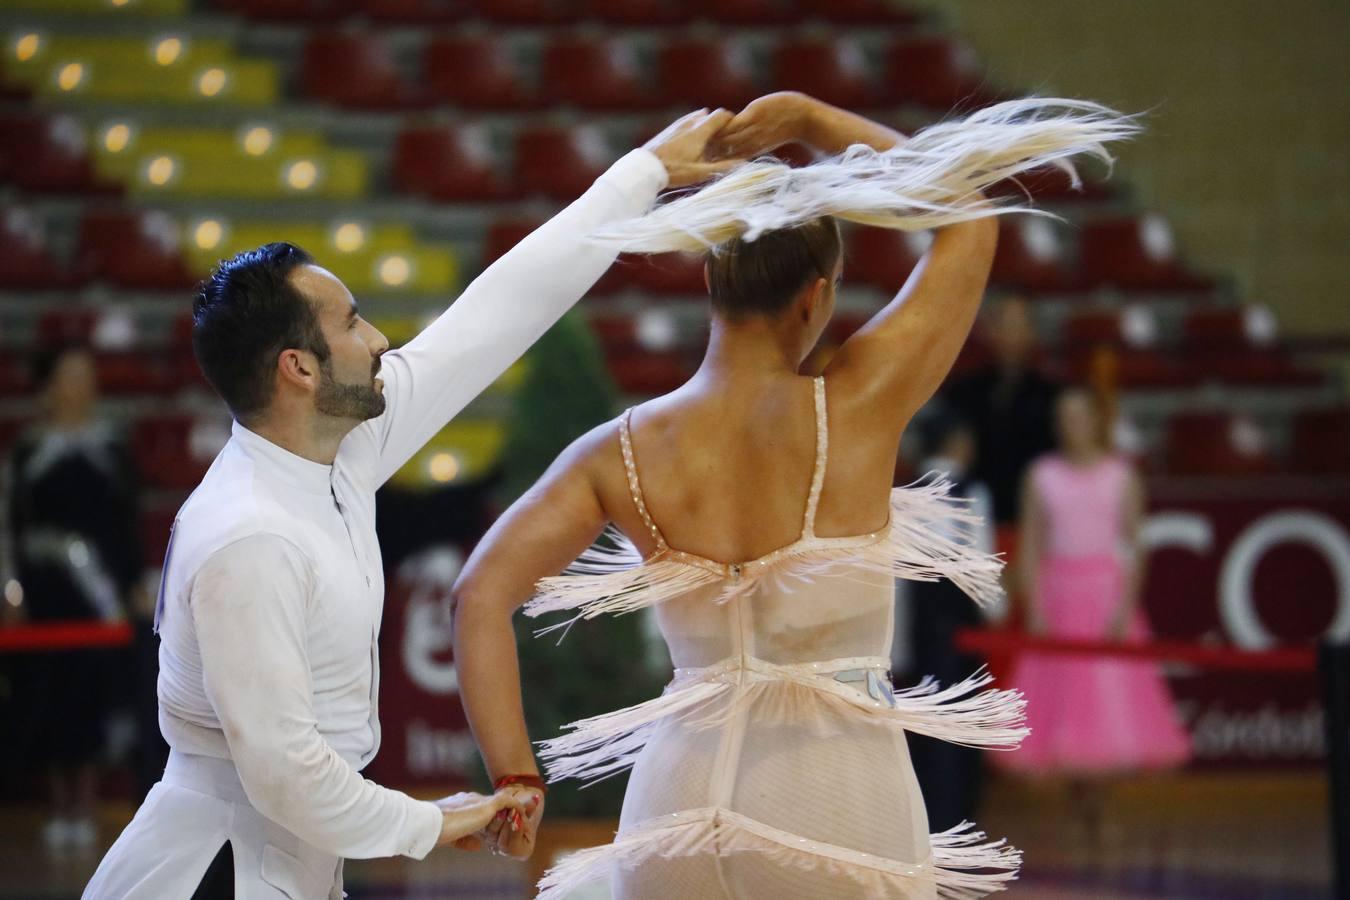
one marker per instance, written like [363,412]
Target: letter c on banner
[1236,604]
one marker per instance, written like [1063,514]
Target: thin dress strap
[634,486]
[822,451]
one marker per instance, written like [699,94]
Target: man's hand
[681,146]
[465,816]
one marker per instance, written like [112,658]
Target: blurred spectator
[1081,565]
[72,516]
[1009,402]
[949,774]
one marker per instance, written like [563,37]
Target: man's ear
[297,367]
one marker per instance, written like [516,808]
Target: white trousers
[184,821]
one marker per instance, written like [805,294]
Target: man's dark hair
[245,314]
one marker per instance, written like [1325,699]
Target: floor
[1230,836]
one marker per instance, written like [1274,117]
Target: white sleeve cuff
[424,826]
[637,171]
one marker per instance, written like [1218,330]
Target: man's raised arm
[520,296]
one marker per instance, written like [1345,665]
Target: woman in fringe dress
[752,510]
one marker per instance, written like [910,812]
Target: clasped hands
[505,822]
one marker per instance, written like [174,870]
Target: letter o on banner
[1237,607]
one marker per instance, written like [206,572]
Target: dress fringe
[931,536]
[595,748]
[960,867]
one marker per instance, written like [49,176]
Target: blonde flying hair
[934,178]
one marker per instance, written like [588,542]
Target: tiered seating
[560,162]
[835,70]
[475,72]
[447,164]
[354,70]
[1135,254]
[1216,444]
[593,74]
[26,261]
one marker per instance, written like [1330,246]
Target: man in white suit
[270,605]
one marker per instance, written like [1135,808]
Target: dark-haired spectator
[1010,404]
[72,515]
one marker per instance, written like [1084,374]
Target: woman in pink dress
[1082,567]
[751,511]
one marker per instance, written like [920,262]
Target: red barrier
[63,636]
[1005,643]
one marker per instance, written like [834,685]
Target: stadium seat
[156,522]
[1130,326]
[133,373]
[648,372]
[526,12]
[833,70]
[593,74]
[504,234]
[132,250]
[637,12]
[698,73]
[353,70]
[304,11]
[1135,254]
[1320,444]
[748,12]
[175,450]
[26,262]
[48,155]
[858,12]
[413,12]
[882,258]
[665,273]
[476,73]
[1216,444]
[446,164]
[1053,184]
[617,334]
[1230,327]
[560,163]
[1132,368]
[937,72]
[1031,256]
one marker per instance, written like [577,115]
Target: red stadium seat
[134,372]
[526,12]
[133,250]
[638,12]
[560,163]
[1231,327]
[749,12]
[308,11]
[174,451]
[66,326]
[1216,444]
[698,73]
[835,71]
[617,334]
[1031,256]
[882,257]
[665,273]
[1135,254]
[593,74]
[936,72]
[413,12]
[353,70]
[858,12]
[1133,368]
[476,73]
[25,260]
[1321,442]
[1051,183]
[647,372]
[447,164]
[48,155]
[504,234]
[156,523]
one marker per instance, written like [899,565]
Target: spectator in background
[72,510]
[949,774]
[1081,565]
[1010,404]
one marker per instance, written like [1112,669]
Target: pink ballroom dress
[774,765]
[1089,715]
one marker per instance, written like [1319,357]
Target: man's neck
[310,437]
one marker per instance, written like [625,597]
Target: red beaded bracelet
[530,781]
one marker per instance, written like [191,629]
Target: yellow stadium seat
[367,258]
[222,171]
[102,7]
[34,57]
[121,147]
[239,82]
[466,450]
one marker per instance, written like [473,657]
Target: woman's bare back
[725,469]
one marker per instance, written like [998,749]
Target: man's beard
[347,401]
